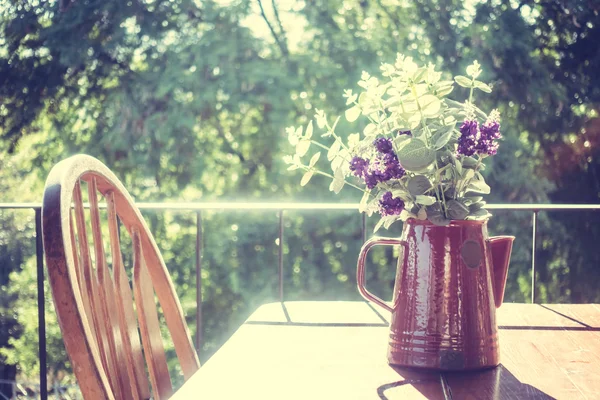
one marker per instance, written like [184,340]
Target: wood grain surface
[337,350]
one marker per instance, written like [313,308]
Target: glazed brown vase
[449,282]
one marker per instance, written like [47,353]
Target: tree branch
[281,45]
[281,30]
[229,146]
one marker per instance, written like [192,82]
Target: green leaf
[314,159]
[302,147]
[390,220]
[483,87]
[351,99]
[425,200]
[306,177]
[480,213]
[474,69]
[442,137]
[403,194]
[338,181]
[333,150]
[444,91]
[419,75]
[456,209]
[370,129]
[463,81]
[401,141]
[364,201]
[472,199]
[418,185]
[450,120]
[362,99]
[415,156]
[480,114]
[414,121]
[309,130]
[339,159]
[458,167]
[386,222]
[469,174]
[469,162]
[430,105]
[477,205]
[379,224]
[435,215]
[479,187]
[294,134]
[352,114]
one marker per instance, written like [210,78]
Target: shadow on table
[428,383]
[497,383]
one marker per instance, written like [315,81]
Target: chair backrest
[92,294]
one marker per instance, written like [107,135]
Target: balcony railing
[281,208]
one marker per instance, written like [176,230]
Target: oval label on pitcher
[471,253]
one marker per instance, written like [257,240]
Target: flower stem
[438,187]
[327,148]
[306,168]
[471,91]
[319,144]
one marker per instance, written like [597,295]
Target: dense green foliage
[189,100]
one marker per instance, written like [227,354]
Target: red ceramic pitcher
[449,281]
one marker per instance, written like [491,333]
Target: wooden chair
[93,299]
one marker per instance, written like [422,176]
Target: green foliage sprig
[412,159]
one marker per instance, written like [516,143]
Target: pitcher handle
[360,271]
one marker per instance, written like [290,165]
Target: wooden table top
[337,350]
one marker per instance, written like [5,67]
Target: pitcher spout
[501,247]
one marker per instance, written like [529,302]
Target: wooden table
[337,350]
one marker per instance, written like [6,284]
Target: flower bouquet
[421,153]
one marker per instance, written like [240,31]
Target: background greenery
[188,100]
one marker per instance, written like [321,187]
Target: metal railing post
[39,252]
[281,255]
[199,249]
[534,222]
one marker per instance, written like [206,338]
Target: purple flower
[469,136]
[393,169]
[384,145]
[384,167]
[400,133]
[389,205]
[359,166]
[490,131]
[371,180]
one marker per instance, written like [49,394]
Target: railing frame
[280,208]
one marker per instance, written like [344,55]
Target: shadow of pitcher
[491,384]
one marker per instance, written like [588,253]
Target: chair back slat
[77,266]
[149,326]
[90,282]
[106,291]
[97,311]
[132,347]
[171,308]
